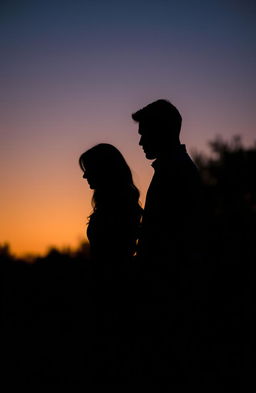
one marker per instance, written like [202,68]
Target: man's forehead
[145,126]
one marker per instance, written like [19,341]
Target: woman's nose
[84,175]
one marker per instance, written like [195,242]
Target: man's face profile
[148,139]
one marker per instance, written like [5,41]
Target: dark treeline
[229,177]
[53,330]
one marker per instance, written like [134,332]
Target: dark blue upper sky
[201,54]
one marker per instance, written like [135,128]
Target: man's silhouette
[173,198]
[170,244]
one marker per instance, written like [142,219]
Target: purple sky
[72,72]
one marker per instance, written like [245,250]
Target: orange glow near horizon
[45,202]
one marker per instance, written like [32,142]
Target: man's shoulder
[178,160]
[181,173]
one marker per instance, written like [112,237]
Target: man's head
[159,127]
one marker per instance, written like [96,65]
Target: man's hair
[161,113]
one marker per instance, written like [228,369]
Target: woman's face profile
[88,175]
[94,176]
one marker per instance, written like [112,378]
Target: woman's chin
[150,155]
[91,185]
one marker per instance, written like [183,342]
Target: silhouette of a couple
[172,201]
[159,246]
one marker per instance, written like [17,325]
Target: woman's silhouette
[114,223]
[112,233]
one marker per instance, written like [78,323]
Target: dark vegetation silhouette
[230,198]
[47,307]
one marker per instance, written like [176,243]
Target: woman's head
[116,208]
[103,165]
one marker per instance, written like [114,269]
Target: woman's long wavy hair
[116,188]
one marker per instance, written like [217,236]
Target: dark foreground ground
[61,325]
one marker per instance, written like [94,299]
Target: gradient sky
[72,72]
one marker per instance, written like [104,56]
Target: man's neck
[173,149]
